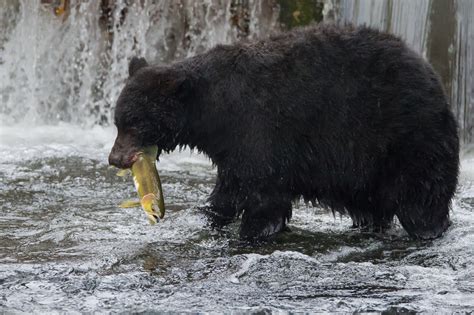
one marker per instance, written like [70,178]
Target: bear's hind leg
[264,217]
[424,213]
[420,227]
[422,203]
[425,171]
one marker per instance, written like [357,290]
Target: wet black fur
[347,117]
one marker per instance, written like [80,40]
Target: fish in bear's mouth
[147,183]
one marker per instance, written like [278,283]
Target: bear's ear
[176,84]
[135,65]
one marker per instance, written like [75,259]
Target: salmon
[148,185]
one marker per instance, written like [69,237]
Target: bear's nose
[120,160]
[115,160]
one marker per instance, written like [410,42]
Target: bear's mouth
[132,158]
[123,160]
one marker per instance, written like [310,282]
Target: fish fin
[130,204]
[124,172]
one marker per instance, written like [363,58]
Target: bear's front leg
[264,216]
[222,208]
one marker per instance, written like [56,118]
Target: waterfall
[70,67]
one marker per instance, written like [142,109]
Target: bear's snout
[123,153]
[117,160]
[120,160]
[114,159]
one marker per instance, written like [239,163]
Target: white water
[65,246]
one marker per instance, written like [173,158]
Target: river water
[65,245]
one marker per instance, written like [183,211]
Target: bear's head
[149,111]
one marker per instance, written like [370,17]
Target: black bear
[348,117]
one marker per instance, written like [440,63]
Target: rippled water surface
[66,246]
